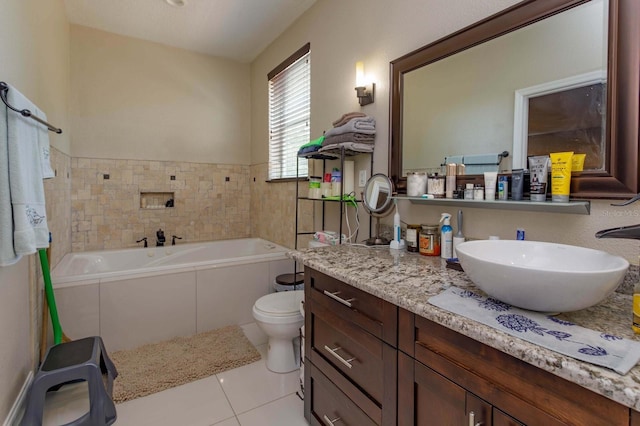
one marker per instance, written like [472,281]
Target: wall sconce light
[365,92]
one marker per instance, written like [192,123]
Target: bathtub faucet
[173,239]
[160,239]
[141,240]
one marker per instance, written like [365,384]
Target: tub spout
[631,232]
[160,239]
[141,240]
[173,239]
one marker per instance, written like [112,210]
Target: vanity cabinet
[369,362]
[351,351]
[443,375]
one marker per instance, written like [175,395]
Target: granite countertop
[408,280]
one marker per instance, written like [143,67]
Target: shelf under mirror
[572,207]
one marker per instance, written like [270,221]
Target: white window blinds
[289,115]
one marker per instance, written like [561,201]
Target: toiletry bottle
[446,236]
[459,237]
[636,308]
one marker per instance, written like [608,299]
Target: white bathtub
[135,296]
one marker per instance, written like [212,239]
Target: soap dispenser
[446,236]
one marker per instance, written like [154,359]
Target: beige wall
[377,32]
[34,57]
[132,99]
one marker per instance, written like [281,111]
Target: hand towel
[359,124]
[44,146]
[30,231]
[607,350]
[350,147]
[349,137]
[346,117]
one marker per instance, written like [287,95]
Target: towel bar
[4,88]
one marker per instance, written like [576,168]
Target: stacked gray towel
[354,129]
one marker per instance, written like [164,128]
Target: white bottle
[459,237]
[446,236]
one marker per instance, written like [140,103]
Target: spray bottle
[446,236]
[397,242]
[459,237]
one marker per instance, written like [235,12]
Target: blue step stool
[79,360]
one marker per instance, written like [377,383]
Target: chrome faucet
[160,239]
[631,232]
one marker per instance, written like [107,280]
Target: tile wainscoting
[212,202]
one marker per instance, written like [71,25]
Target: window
[289,114]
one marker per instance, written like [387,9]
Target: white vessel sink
[540,276]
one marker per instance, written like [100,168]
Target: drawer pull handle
[335,296]
[330,422]
[346,362]
[472,419]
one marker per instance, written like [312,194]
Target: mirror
[378,202]
[481,131]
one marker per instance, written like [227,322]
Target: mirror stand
[377,202]
[377,240]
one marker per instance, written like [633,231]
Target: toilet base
[282,355]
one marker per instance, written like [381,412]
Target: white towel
[7,253]
[44,148]
[26,190]
[607,350]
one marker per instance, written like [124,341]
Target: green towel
[315,142]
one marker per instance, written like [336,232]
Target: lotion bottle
[446,236]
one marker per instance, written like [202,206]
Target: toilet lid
[282,303]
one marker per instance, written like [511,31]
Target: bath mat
[603,349]
[158,366]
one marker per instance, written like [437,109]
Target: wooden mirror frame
[621,176]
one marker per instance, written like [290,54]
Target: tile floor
[246,396]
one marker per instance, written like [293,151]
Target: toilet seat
[282,304]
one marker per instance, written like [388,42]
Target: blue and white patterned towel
[603,349]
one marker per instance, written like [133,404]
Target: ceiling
[235,29]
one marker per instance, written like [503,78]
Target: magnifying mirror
[377,202]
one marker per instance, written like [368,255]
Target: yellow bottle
[636,308]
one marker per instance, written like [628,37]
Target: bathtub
[144,295]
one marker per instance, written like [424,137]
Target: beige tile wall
[273,207]
[58,198]
[106,213]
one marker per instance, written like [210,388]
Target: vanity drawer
[346,347]
[329,405]
[369,312]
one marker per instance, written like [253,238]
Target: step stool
[79,360]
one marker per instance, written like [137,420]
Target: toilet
[278,316]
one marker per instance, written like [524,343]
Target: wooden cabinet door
[426,398]
[478,411]
[502,419]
